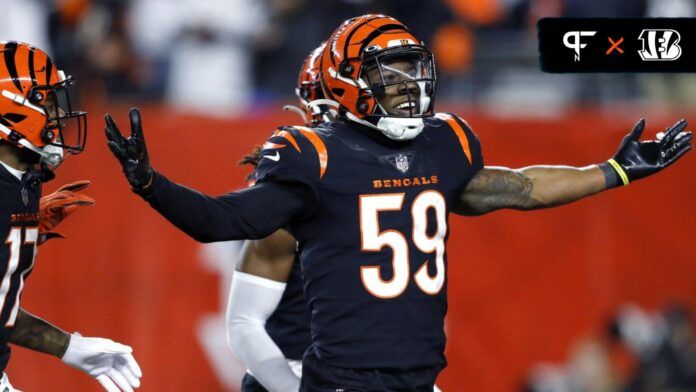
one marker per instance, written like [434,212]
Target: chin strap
[315,107]
[394,128]
[398,128]
[358,120]
[329,115]
[21,100]
[317,102]
[293,108]
[49,156]
[24,142]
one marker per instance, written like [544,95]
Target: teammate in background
[271,333]
[35,113]
[368,196]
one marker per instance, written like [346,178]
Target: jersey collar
[15,173]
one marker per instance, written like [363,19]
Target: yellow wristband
[149,183]
[619,170]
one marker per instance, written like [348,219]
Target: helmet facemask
[65,128]
[401,80]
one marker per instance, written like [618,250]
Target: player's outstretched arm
[535,187]
[111,363]
[251,213]
[257,288]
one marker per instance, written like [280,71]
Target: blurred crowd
[226,57]
[658,348]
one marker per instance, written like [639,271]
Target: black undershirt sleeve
[251,213]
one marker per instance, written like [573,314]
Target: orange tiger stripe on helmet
[22,57]
[309,85]
[28,78]
[309,72]
[343,57]
[22,67]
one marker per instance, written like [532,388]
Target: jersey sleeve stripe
[319,146]
[272,146]
[287,136]
[459,131]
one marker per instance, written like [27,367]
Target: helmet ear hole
[363,104]
[304,92]
[47,136]
[346,69]
[36,97]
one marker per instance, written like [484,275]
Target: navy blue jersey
[373,248]
[19,221]
[288,326]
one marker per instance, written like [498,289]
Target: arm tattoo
[36,334]
[492,189]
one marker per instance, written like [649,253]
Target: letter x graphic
[615,45]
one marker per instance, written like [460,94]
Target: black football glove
[131,152]
[635,160]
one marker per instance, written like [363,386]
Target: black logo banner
[617,45]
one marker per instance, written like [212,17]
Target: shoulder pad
[301,139]
[461,129]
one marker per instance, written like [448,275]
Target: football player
[271,333]
[368,198]
[35,117]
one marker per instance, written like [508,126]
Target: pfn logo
[571,40]
[660,45]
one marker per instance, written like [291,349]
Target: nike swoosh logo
[275,157]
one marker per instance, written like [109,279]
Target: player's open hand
[57,206]
[111,363]
[131,152]
[641,159]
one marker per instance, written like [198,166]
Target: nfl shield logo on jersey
[402,163]
[25,196]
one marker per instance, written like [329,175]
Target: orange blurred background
[523,287]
